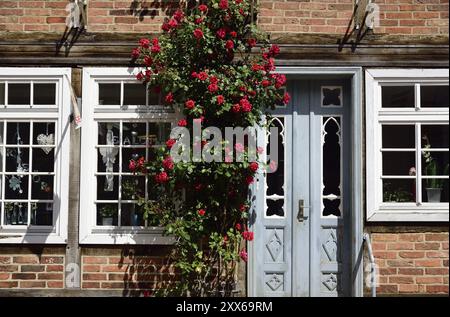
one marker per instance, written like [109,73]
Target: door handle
[301,216]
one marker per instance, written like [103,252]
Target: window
[407,145]
[122,120]
[34,154]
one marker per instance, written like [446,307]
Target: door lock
[301,216]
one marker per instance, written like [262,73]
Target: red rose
[156,48]
[190,104]
[198,21]
[270,66]
[165,27]
[155,41]
[233,34]
[244,255]
[248,235]
[194,74]
[236,108]
[202,76]
[203,8]
[249,180]
[202,212]
[246,106]
[140,76]
[213,80]
[223,4]
[274,50]
[243,208]
[169,98]
[173,23]
[148,61]
[221,33]
[179,15]
[162,178]
[168,163]
[170,143]
[253,166]
[220,99]
[257,67]
[238,227]
[182,123]
[265,83]
[213,88]
[251,42]
[145,43]
[132,166]
[198,34]
[229,45]
[286,98]
[135,53]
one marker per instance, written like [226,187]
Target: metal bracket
[301,216]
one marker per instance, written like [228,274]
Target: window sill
[120,237]
[32,238]
[408,215]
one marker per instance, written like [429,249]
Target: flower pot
[107,221]
[434,195]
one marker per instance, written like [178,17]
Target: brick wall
[412,263]
[411,17]
[21,269]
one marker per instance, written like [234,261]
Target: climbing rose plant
[213,65]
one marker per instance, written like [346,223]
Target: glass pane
[43,161]
[434,136]
[331,156]
[134,133]
[399,190]
[132,215]
[109,94]
[399,163]
[331,207]
[398,136]
[435,163]
[435,190]
[17,160]
[275,208]
[107,187]
[134,94]
[133,187]
[109,133]
[398,96]
[331,96]
[1,133]
[16,187]
[275,180]
[153,98]
[129,154]
[158,133]
[2,93]
[44,94]
[18,133]
[18,94]
[107,214]
[108,160]
[42,187]
[42,214]
[44,133]
[434,96]
[16,214]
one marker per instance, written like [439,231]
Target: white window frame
[377,211]
[57,234]
[90,233]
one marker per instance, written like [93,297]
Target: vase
[434,195]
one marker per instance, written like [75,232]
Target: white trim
[61,114]
[378,211]
[90,233]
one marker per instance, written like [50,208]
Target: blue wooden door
[302,212]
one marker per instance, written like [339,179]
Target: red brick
[384,237]
[26,259]
[428,263]
[12,284]
[118,277]
[427,246]
[114,285]
[9,268]
[436,254]
[91,268]
[387,271]
[114,268]
[55,284]
[403,271]
[53,20]
[52,259]
[32,284]
[32,268]
[429,280]
[401,280]
[54,4]
[5,260]
[400,246]
[101,4]
[90,285]
[436,271]
[94,277]
[436,237]
[437,289]
[388,289]
[95,260]
[126,20]
[8,4]
[385,255]
[408,288]
[31,19]
[4,276]
[400,263]
[55,268]
[23,276]
[11,12]
[35,27]
[411,255]
[50,276]
[31,4]
[377,246]
[286,5]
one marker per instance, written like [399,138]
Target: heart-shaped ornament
[44,140]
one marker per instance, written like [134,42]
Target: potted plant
[434,185]
[107,213]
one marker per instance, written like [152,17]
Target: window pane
[399,163]
[42,187]
[42,214]
[398,136]
[17,160]
[275,208]
[398,96]
[108,160]
[434,163]
[107,214]
[153,97]
[434,136]
[109,94]
[133,187]
[109,133]
[435,190]
[158,133]
[434,96]
[44,94]
[132,215]
[1,133]
[18,133]
[18,94]
[134,134]
[16,187]
[2,93]
[107,187]
[16,214]
[129,154]
[399,190]
[134,94]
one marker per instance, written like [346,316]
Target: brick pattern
[408,17]
[29,271]
[129,274]
[412,263]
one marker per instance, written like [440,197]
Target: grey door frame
[355,74]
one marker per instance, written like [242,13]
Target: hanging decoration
[45,140]
[109,159]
